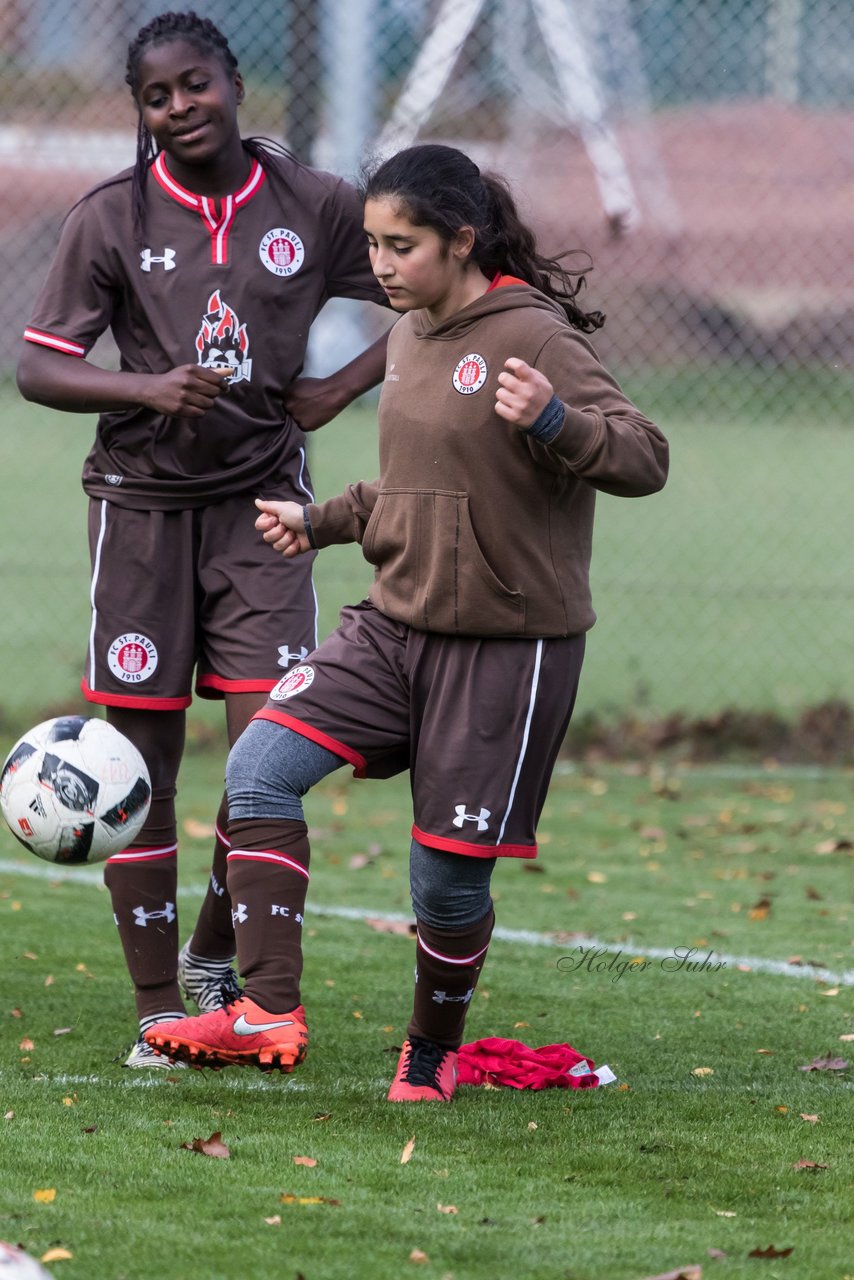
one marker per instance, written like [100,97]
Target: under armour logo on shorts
[479,818]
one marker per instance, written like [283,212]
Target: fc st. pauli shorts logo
[293,683]
[132,658]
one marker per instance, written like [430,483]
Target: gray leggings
[271,768]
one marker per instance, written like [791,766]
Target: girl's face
[415,267]
[189,100]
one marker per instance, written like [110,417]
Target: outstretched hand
[522,393]
[282,525]
[185,392]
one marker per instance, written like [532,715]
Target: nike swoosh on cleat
[243,1028]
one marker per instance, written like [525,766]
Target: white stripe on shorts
[92,588]
[535,684]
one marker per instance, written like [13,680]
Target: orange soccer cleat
[426,1072]
[240,1034]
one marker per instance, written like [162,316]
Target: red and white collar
[218,223]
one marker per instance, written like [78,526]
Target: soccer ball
[18,1265]
[74,790]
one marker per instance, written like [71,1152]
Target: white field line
[568,943]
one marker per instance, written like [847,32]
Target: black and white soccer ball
[18,1265]
[74,790]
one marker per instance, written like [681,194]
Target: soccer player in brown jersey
[208,261]
[498,425]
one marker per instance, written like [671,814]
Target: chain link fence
[700,151]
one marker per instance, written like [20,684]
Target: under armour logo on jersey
[148,259]
[286,656]
[479,818]
[442,997]
[143,916]
[241,914]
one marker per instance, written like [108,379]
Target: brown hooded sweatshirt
[474,527]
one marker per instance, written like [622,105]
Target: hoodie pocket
[431,570]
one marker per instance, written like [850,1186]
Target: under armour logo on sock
[241,914]
[442,997]
[479,818]
[167,258]
[143,916]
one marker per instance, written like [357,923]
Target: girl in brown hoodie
[497,426]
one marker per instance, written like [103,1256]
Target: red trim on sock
[440,955]
[268,855]
[145,855]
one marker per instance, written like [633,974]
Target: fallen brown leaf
[56,1255]
[406,1153]
[306,1160]
[447,1208]
[45,1195]
[212,1146]
[809,1164]
[716,1253]
[26,1045]
[405,928]
[418,1255]
[199,830]
[826,1064]
[770,1252]
[288,1198]
[681,1273]
[275,1221]
[811,1119]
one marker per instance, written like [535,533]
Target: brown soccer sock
[267,882]
[447,966]
[142,882]
[143,897]
[213,936]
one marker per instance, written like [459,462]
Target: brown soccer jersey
[233,282]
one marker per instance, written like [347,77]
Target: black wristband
[308,533]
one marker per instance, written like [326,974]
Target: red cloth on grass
[509,1062]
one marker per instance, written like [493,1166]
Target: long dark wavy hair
[186,25]
[442,188]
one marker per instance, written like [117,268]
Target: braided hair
[187,25]
[441,188]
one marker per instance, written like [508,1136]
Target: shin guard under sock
[213,936]
[447,967]
[267,883]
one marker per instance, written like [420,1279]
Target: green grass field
[696,1148]
[730,588]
